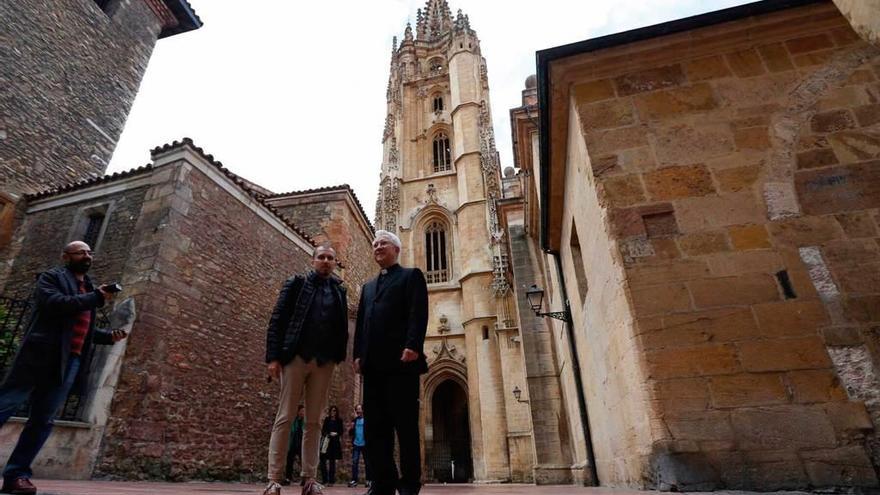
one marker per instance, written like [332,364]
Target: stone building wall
[70,76]
[733,168]
[206,265]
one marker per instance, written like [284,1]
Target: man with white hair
[388,351]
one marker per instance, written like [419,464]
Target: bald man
[53,357]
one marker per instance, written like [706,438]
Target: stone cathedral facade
[440,185]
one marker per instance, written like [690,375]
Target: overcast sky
[291,95]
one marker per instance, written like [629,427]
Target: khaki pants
[300,379]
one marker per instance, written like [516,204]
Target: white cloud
[291,95]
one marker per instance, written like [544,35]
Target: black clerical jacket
[392,315]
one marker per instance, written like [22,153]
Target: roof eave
[187,20]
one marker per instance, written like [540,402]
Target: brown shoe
[312,487]
[19,486]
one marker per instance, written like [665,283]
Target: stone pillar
[864,15]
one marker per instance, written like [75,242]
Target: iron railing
[14,317]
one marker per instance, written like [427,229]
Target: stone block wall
[70,76]
[192,400]
[738,168]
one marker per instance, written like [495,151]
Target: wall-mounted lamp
[517,393]
[535,296]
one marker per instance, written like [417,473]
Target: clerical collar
[385,271]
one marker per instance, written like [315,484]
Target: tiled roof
[73,186]
[327,189]
[241,183]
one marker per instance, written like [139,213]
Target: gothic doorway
[450,458]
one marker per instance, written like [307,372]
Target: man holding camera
[54,356]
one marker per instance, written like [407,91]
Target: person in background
[332,450]
[294,451]
[356,432]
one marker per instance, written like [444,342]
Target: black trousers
[391,405]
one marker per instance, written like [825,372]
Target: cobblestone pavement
[60,487]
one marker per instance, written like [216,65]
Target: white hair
[388,235]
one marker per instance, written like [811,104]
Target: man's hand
[118,335]
[274,369]
[108,296]
[409,355]
[356,364]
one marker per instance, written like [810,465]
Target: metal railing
[437,276]
[14,314]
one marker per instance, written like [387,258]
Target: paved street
[57,487]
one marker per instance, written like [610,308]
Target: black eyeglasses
[81,252]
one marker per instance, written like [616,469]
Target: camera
[113,288]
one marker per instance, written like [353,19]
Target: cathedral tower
[440,183]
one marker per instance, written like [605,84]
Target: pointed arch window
[442,153]
[438,103]
[436,258]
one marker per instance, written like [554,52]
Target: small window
[438,103]
[436,260]
[442,153]
[93,228]
[90,226]
[485,332]
[577,259]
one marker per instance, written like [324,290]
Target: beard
[79,267]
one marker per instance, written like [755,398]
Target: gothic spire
[435,20]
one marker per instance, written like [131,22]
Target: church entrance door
[450,458]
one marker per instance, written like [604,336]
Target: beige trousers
[311,382]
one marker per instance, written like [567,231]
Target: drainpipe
[576,370]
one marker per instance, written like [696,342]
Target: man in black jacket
[388,350]
[306,339]
[54,357]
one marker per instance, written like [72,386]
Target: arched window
[442,153]
[438,103]
[436,260]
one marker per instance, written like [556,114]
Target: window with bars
[438,103]
[90,224]
[436,260]
[442,153]
[94,222]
